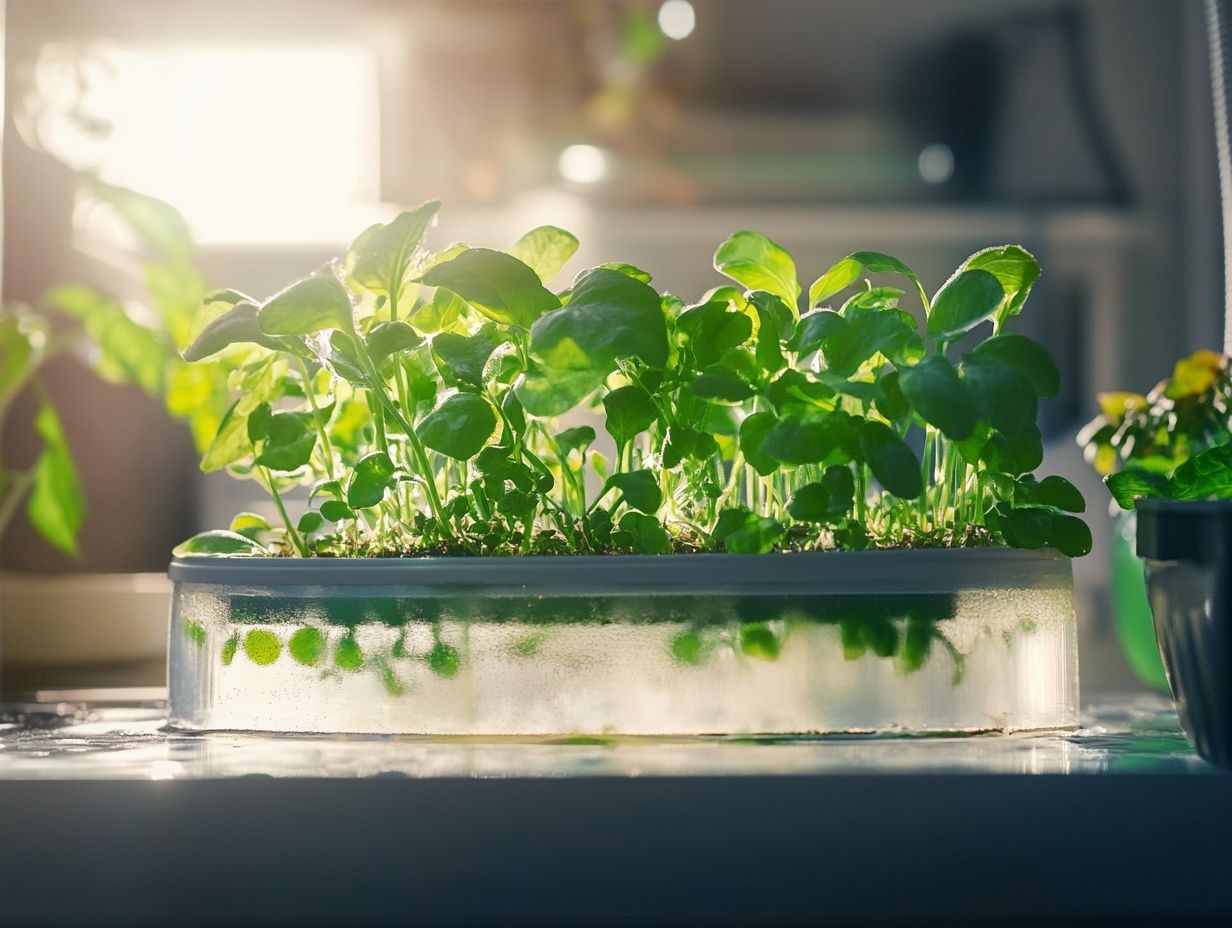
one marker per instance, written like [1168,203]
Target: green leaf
[628,270]
[217,543]
[444,310]
[892,462]
[718,387]
[1069,535]
[1057,492]
[56,507]
[230,443]
[938,395]
[838,278]
[578,438]
[314,304]
[648,534]
[460,426]
[498,285]
[555,393]
[795,391]
[841,486]
[380,258]
[372,476]
[461,358]
[639,488]
[810,503]
[259,422]
[847,271]
[344,357]
[773,319]
[758,536]
[1205,476]
[754,431]
[1025,527]
[810,439]
[1014,452]
[813,329]
[292,437]
[967,299]
[388,338]
[892,403]
[311,521]
[729,521]
[710,329]
[238,325]
[158,225]
[609,317]
[1131,484]
[128,352]
[884,331]
[756,262]
[250,525]
[545,250]
[1003,396]
[334,510]
[1022,354]
[630,411]
[23,345]
[1015,269]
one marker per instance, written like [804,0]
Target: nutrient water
[880,642]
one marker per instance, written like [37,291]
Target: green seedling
[419,394]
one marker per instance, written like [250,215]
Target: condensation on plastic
[893,642]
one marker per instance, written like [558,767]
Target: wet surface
[99,740]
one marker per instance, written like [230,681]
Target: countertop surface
[125,739]
[107,819]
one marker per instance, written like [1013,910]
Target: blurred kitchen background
[1080,128]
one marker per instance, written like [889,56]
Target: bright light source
[583,164]
[677,19]
[936,163]
[252,143]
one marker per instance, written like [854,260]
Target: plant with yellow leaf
[1172,442]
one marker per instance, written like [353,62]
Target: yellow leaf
[1117,404]
[1194,375]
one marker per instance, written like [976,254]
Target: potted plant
[1184,415]
[55,623]
[1180,486]
[601,509]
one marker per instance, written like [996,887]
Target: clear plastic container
[896,642]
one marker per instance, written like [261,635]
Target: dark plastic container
[1187,547]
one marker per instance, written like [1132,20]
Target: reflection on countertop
[120,735]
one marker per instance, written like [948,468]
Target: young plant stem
[861,493]
[296,539]
[326,447]
[423,465]
[20,482]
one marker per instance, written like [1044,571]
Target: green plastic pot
[1131,609]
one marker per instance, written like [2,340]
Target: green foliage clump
[454,402]
[1171,443]
[139,347]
